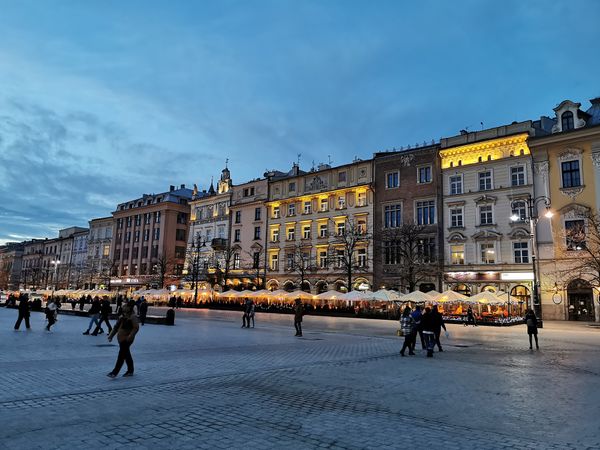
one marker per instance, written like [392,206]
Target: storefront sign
[516,276]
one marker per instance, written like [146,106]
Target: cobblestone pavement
[207,383]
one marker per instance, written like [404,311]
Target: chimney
[171,188]
[183,186]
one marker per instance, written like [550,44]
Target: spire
[211,189]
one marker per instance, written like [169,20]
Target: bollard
[170,317]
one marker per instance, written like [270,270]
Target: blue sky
[103,101]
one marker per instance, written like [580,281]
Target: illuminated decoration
[485,151]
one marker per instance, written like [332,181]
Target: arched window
[489,288]
[462,289]
[567,121]
[479,159]
[520,297]
[489,157]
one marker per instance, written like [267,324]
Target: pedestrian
[298,313]
[143,310]
[138,302]
[94,314]
[73,303]
[51,313]
[81,302]
[438,324]
[251,313]
[246,316]
[416,315]
[119,303]
[471,317]
[125,329]
[105,312]
[23,312]
[407,324]
[428,327]
[532,330]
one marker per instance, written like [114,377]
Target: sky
[103,101]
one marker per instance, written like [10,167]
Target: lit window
[275,212]
[307,207]
[457,254]
[324,204]
[488,253]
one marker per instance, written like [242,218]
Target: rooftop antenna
[329,159]
[299,155]
[226,161]
[481,125]
[313,164]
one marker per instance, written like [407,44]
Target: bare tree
[582,245]
[161,269]
[300,262]
[256,267]
[5,270]
[410,252]
[193,263]
[351,244]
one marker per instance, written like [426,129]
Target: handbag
[530,322]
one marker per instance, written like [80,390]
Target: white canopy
[385,295]
[330,295]
[354,296]
[433,293]
[449,296]
[298,294]
[417,297]
[486,298]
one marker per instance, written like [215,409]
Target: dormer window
[567,121]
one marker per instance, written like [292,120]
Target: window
[361,227]
[257,213]
[128,236]
[136,236]
[248,192]
[274,262]
[238,217]
[119,224]
[125,270]
[291,209]
[521,252]
[256,233]
[339,258]
[292,187]
[255,260]
[157,233]
[306,232]
[307,207]
[488,253]
[426,212]
[455,184]
[128,221]
[209,235]
[157,217]
[426,250]
[361,257]
[323,230]
[144,252]
[106,250]
[457,254]
[324,204]
[391,252]
[392,216]
[236,235]
[340,228]
[154,253]
[392,180]
[126,253]
[570,174]
[517,176]
[289,261]
[179,252]
[485,215]
[575,234]
[291,233]
[485,180]
[341,177]
[236,260]
[143,268]
[361,199]
[181,218]
[323,259]
[456,217]
[424,175]
[341,202]
[180,235]
[275,235]
[147,217]
[117,254]
[519,209]
[566,121]
[138,220]
[275,212]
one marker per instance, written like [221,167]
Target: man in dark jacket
[94,313]
[417,328]
[105,312]
[298,313]
[23,312]
[438,323]
[143,310]
[428,327]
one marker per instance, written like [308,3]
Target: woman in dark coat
[531,321]
[407,325]
[125,329]
[438,322]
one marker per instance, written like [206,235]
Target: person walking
[105,312]
[416,315]
[438,324]
[51,313]
[298,313]
[23,312]
[125,329]
[471,317]
[81,302]
[246,316]
[143,310]
[94,314]
[428,327]
[251,312]
[532,330]
[406,326]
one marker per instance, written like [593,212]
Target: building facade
[99,261]
[320,226]
[11,261]
[487,177]
[248,234]
[149,239]
[32,271]
[567,167]
[407,220]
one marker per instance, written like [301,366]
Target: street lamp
[197,244]
[55,263]
[532,218]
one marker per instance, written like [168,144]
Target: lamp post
[55,263]
[197,244]
[532,218]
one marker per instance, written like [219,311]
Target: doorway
[580,300]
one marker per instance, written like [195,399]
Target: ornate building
[567,169]
[320,226]
[99,260]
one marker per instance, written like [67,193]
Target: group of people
[249,313]
[427,325]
